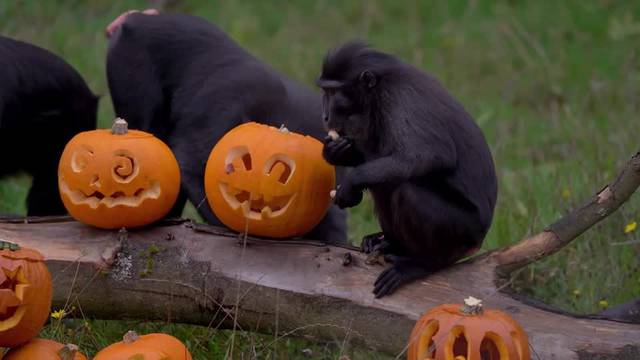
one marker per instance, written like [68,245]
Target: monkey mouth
[117,198]
[255,206]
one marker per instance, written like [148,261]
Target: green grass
[554,85]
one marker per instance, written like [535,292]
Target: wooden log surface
[202,275]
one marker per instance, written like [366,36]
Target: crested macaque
[184,80]
[417,151]
[44,102]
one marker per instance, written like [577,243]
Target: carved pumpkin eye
[238,158]
[280,167]
[125,167]
[81,158]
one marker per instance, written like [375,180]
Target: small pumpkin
[25,294]
[269,181]
[467,332]
[156,346]
[118,178]
[44,349]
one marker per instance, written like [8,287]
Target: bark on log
[188,273]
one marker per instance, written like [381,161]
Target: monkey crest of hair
[348,61]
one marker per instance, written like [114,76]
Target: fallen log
[197,274]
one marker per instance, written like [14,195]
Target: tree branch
[199,278]
[572,225]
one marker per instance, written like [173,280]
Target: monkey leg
[44,197]
[431,232]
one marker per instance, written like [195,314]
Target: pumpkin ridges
[310,175]
[152,346]
[138,168]
[490,324]
[45,349]
[35,295]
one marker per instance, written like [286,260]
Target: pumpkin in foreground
[25,294]
[44,349]
[467,332]
[118,178]
[269,181]
[156,346]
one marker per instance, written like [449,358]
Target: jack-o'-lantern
[156,346]
[118,178]
[25,294]
[269,181]
[467,332]
[44,349]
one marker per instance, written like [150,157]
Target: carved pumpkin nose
[95,182]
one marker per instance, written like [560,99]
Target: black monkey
[44,102]
[419,153]
[183,79]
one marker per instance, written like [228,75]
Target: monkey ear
[368,78]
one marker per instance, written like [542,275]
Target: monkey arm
[398,168]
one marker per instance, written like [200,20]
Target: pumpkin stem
[68,352]
[120,127]
[130,337]
[472,306]
[6,245]
[283,129]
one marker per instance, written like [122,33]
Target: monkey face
[343,111]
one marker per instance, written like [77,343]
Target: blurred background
[555,86]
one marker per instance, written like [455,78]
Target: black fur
[419,153]
[44,102]
[183,79]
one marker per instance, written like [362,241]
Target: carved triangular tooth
[266,212]
[246,207]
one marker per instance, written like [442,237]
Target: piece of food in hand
[332,193]
[334,135]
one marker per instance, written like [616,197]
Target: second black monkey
[419,153]
[183,79]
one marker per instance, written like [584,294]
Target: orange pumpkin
[156,346]
[25,294]
[455,332]
[270,181]
[118,178]
[43,349]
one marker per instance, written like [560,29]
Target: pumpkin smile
[255,206]
[97,198]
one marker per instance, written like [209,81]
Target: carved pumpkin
[455,332]
[155,346]
[43,349]
[270,181]
[118,178]
[25,294]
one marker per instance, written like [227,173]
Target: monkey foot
[115,24]
[374,242]
[403,271]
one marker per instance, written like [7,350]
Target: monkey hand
[341,152]
[347,195]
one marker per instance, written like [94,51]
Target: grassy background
[555,85]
